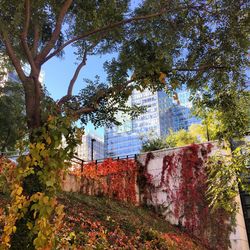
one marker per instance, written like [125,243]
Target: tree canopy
[200,43]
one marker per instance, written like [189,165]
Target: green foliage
[225,110]
[106,109]
[12,116]
[196,133]
[34,213]
[153,144]
[180,138]
[174,39]
[226,173]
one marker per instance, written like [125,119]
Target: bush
[154,144]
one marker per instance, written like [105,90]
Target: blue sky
[58,72]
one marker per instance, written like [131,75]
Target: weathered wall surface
[71,183]
[161,200]
[112,178]
[238,239]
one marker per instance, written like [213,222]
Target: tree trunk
[22,239]
[33,93]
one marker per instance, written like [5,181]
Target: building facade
[162,113]
[180,112]
[92,145]
[127,138]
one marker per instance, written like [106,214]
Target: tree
[198,131]
[160,43]
[153,144]
[12,116]
[225,112]
[180,138]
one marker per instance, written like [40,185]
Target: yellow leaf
[162,77]
[40,146]
[29,225]
[19,190]
[45,200]
[6,240]
[28,158]
[48,140]
[50,118]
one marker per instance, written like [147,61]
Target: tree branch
[105,28]
[27,17]
[102,93]
[84,110]
[36,40]
[11,53]
[24,36]
[114,25]
[98,97]
[75,76]
[77,71]
[55,34]
[201,68]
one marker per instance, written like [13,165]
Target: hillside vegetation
[100,223]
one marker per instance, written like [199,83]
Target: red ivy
[113,178]
[190,205]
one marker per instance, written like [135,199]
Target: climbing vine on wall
[184,180]
[113,178]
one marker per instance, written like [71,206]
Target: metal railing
[82,162]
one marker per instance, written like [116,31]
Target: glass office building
[180,112]
[162,113]
[126,139]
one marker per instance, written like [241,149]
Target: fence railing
[82,162]
[78,160]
